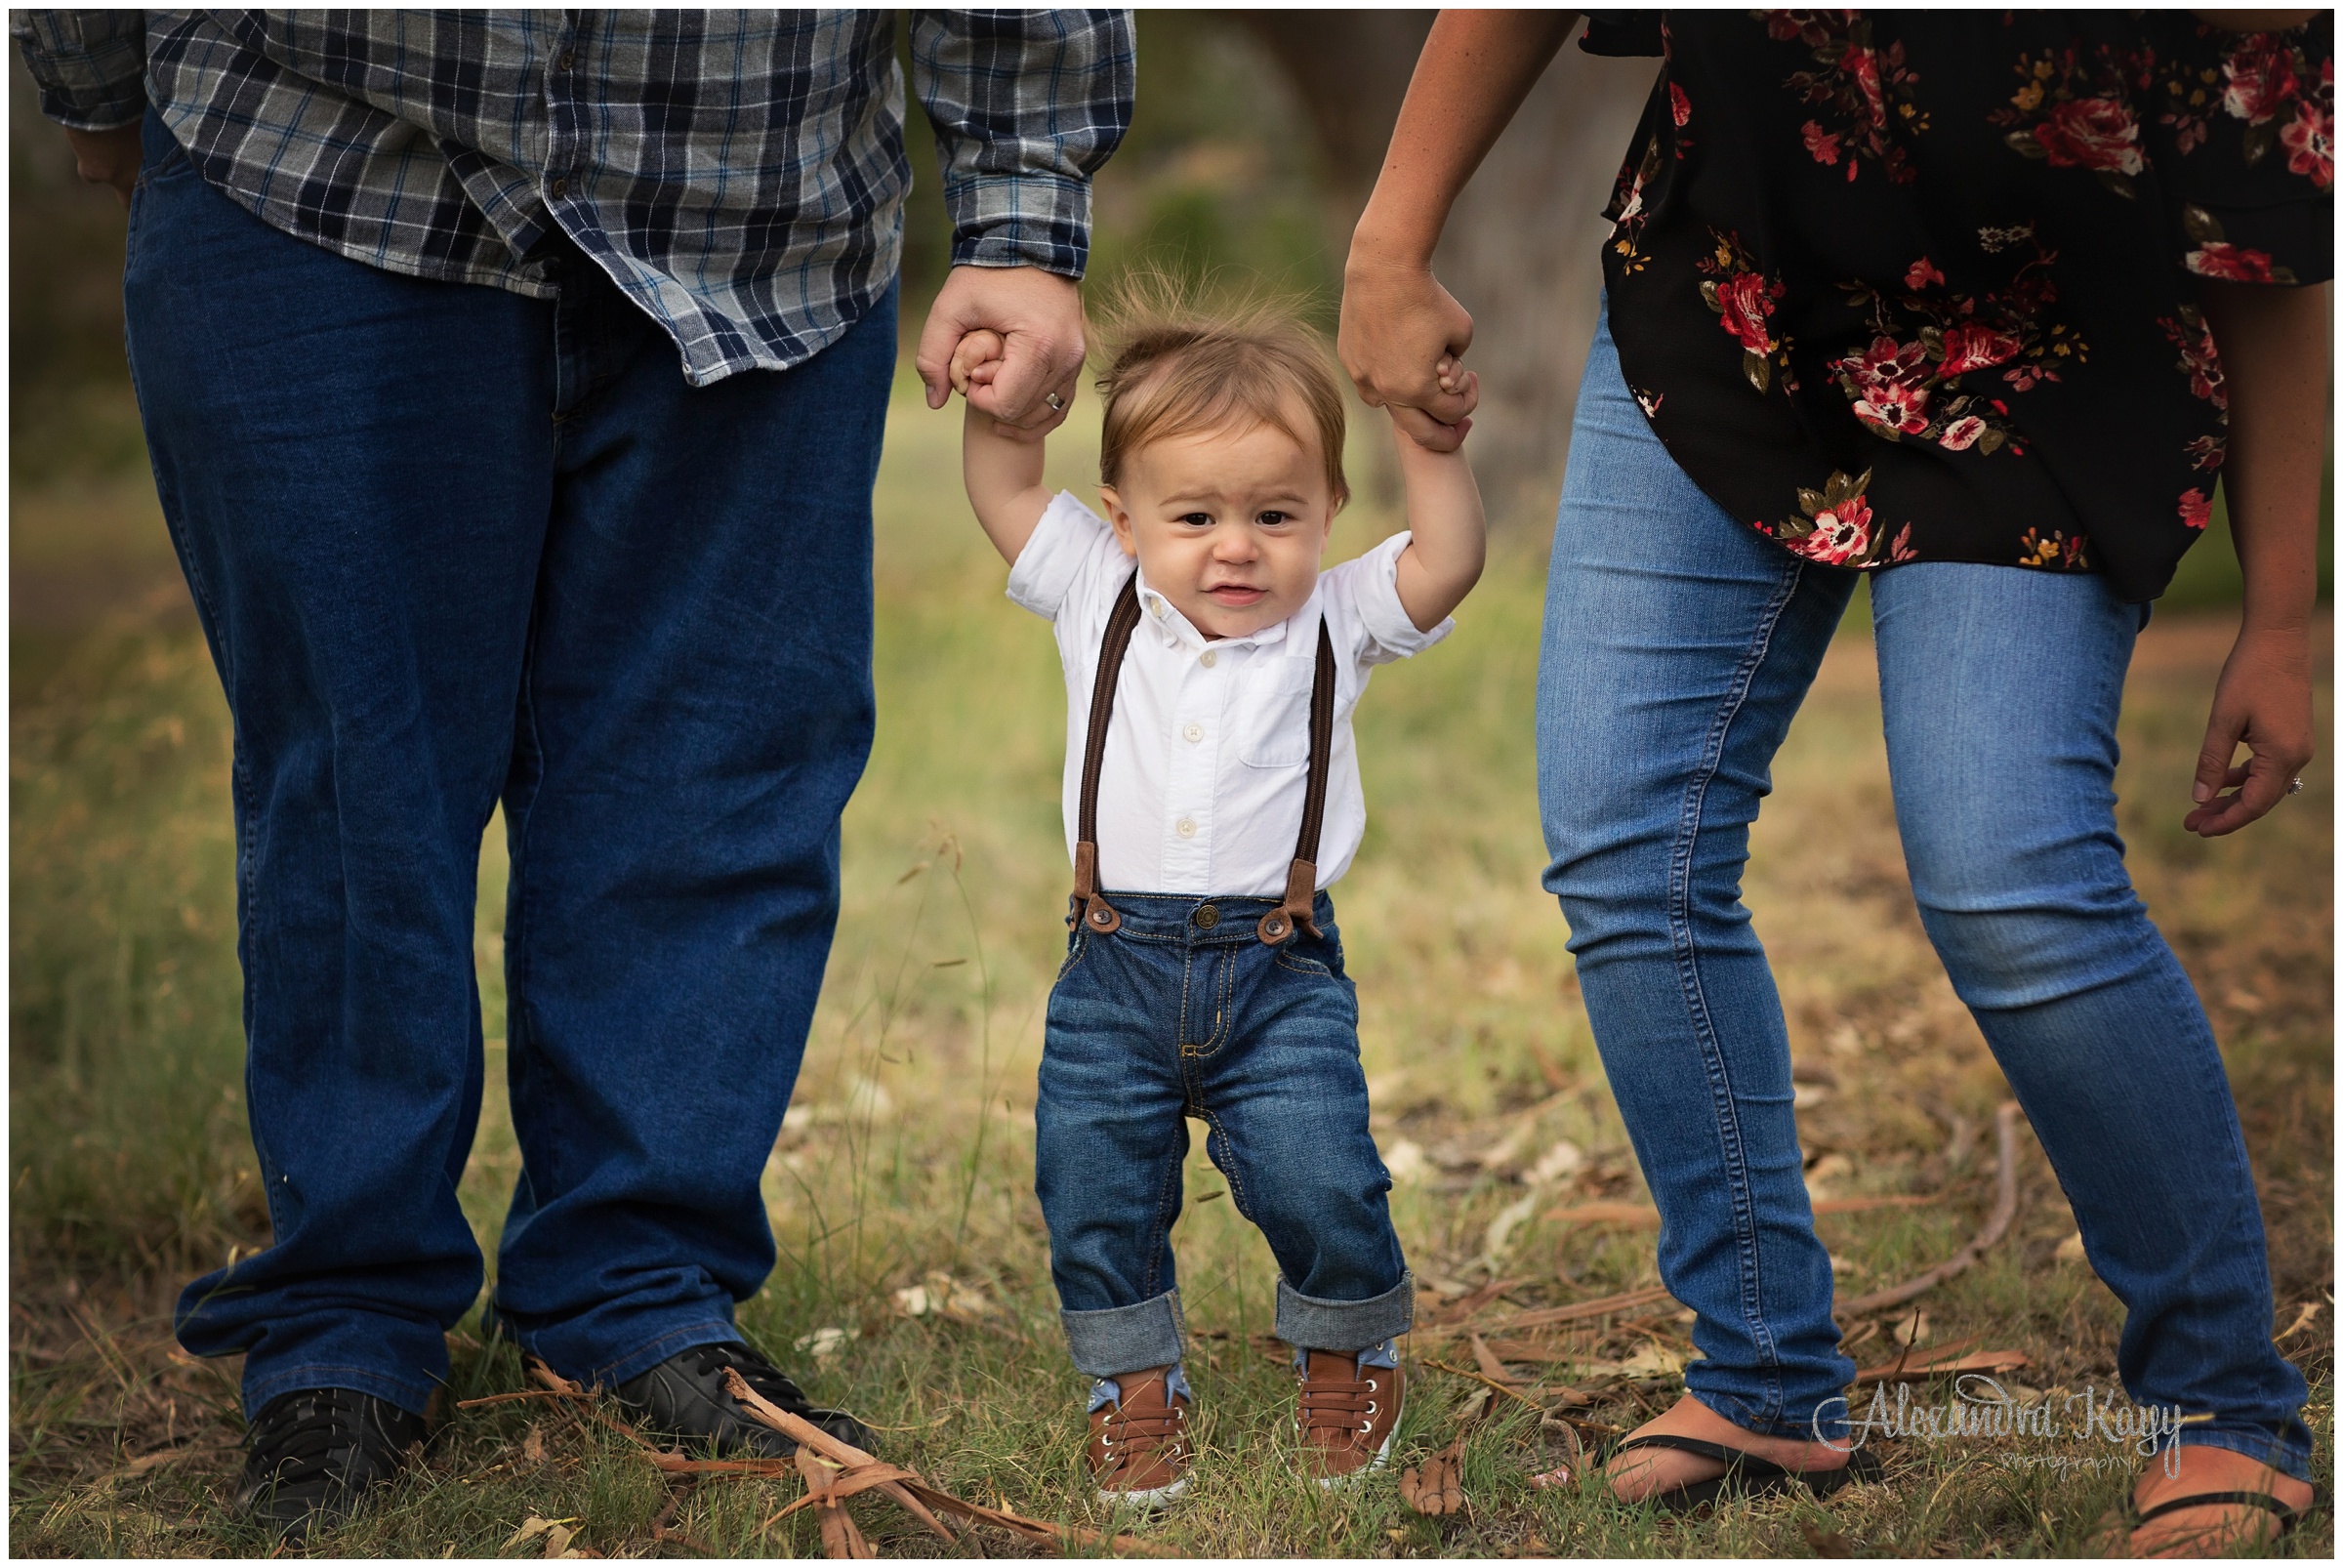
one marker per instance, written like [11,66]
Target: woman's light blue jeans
[1678,644]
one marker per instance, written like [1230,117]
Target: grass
[908,1151]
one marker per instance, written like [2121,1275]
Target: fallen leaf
[1560,1161]
[1911,1331]
[1947,1366]
[1824,1543]
[558,1538]
[1406,1162]
[1559,1475]
[2070,1251]
[1434,1487]
[531,1528]
[532,1445]
[823,1342]
[1653,1360]
[1501,1229]
[1490,1367]
[2303,1319]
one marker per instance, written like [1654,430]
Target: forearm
[2272,344]
[1003,476]
[1450,543]
[1475,70]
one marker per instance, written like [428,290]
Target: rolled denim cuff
[1308,1323]
[1115,1339]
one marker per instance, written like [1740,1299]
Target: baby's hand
[977,360]
[1453,378]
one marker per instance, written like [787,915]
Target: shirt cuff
[1033,220]
[89,65]
[1051,560]
[1384,617]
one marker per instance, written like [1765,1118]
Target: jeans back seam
[1679,920]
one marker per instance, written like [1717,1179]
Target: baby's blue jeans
[1678,646]
[1185,1011]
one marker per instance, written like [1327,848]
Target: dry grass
[908,1150]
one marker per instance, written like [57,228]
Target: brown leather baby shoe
[1349,1409]
[1139,1436]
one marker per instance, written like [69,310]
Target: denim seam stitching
[1679,919]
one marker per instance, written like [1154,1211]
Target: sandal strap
[2286,1513]
[1737,1461]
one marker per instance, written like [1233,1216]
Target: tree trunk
[1522,249]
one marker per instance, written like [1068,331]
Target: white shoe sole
[1152,1498]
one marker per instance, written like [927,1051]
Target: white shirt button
[1209,659]
[1194,732]
[1185,827]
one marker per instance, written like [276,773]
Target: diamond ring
[2295,788]
[1057,405]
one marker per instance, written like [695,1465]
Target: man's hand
[1038,317]
[1400,332]
[107,157]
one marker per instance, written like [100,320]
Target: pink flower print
[1890,386]
[1975,346]
[2309,142]
[2091,133]
[1841,532]
[2238,264]
[1962,434]
[1920,275]
[1678,105]
[1745,301]
[2196,510]
[2260,75]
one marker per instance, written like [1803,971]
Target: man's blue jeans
[1678,646]
[1185,1011]
[453,546]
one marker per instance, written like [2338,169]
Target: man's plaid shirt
[740,173]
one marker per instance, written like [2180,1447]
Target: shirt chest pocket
[1273,713]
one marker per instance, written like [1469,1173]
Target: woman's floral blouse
[1922,285]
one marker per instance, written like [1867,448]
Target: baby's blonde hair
[1177,367]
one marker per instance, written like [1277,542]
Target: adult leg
[696,710]
[1677,647]
[2001,689]
[355,472]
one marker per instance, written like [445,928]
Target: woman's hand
[1399,329]
[2264,700]
[1398,323]
[2272,344]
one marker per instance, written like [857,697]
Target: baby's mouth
[1236,594]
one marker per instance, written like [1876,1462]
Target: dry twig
[1997,1224]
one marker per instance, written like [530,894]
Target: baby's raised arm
[1001,469]
[1444,560]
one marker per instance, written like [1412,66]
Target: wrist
[1383,244]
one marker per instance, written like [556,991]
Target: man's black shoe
[684,1398]
[312,1452]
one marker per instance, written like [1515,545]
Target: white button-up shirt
[1207,753]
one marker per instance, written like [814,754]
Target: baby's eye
[1197,519]
[1271,520]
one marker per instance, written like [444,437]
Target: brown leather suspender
[1094,912]
[1088,907]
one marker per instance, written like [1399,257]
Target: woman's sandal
[2288,1516]
[1746,1475]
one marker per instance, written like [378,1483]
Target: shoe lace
[1342,1408]
[771,1383]
[294,1446]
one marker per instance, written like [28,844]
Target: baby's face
[1227,525]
